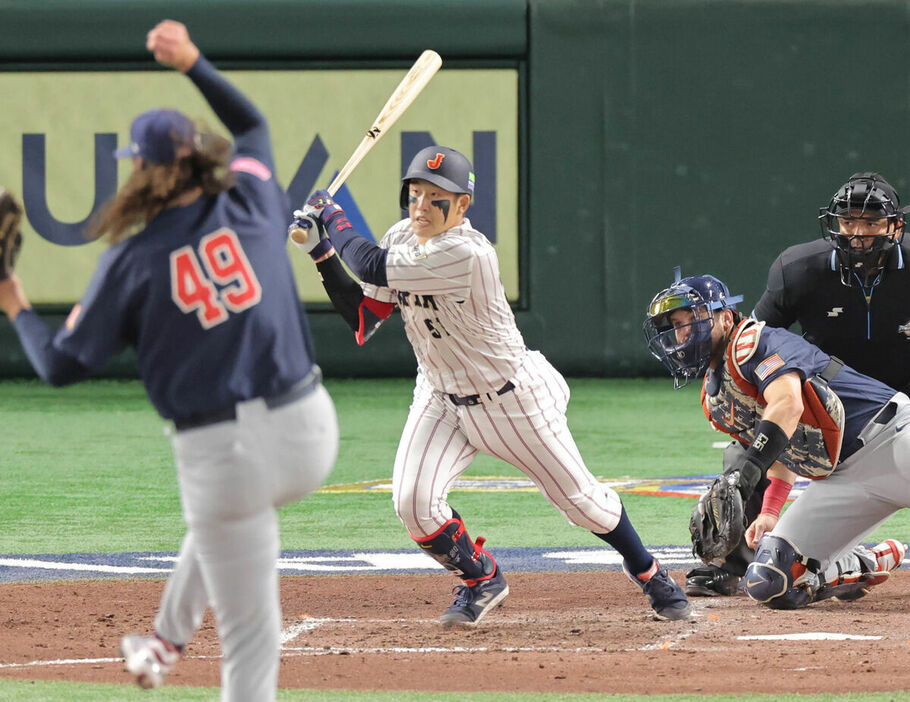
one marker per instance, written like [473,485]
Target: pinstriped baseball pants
[526,428]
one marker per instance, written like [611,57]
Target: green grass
[11,691]
[88,468]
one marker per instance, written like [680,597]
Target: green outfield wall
[613,139]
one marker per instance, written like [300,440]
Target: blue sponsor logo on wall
[306,179]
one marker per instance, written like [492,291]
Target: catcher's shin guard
[778,576]
[452,547]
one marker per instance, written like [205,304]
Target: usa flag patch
[249,165]
[768,366]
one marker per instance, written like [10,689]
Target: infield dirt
[566,632]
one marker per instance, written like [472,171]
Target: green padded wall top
[114,30]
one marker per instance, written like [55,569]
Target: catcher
[850,293]
[10,232]
[800,412]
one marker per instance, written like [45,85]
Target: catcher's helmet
[686,350]
[441,166]
[864,196]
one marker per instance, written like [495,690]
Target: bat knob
[299,235]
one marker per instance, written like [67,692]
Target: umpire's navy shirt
[192,365]
[804,286]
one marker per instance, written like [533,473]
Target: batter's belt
[461,400]
[301,388]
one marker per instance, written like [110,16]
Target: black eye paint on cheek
[412,200]
[444,206]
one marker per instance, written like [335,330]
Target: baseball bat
[408,89]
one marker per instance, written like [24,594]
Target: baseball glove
[10,232]
[718,522]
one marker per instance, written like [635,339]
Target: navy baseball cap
[156,136]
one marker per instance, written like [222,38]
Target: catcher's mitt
[718,522]
[10,232]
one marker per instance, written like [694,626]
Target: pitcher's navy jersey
[779,352]
[205,293]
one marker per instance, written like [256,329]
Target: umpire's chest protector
[734,406]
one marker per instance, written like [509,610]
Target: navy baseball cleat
[711,581]
[667,598]
[473,602]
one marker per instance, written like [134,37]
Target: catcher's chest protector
[734,406]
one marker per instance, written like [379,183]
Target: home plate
[810,636]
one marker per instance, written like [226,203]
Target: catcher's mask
[441,166]
[866,196]
[685,349]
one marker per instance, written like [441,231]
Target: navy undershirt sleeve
[243,119]
[361,255]
[52,365]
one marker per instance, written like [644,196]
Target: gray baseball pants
[833,515]
[233,476]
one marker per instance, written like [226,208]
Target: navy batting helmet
[685,349]
[866,196]
[441,166]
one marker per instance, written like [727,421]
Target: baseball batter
[198,281]
[478,387]
[800,412]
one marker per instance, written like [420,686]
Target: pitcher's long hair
[153,187]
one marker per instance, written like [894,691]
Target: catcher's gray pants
[233,475]
[835,514]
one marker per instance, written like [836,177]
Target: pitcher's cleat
[149,658]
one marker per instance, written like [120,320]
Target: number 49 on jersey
[214,279]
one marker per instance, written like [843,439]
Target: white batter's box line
[810,636]
[84,661]
[382,650]
[309,624]
[62,661]
[669,643]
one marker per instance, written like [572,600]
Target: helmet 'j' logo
[436,162]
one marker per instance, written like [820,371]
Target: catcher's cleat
[711,581]
[889,555]
[667,598]
[149,658]
[472,602]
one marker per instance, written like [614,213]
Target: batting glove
[308,234]
[323,207]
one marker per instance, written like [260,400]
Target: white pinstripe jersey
[454,308]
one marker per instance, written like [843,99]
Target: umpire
[850,293]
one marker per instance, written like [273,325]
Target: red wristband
[775,497]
